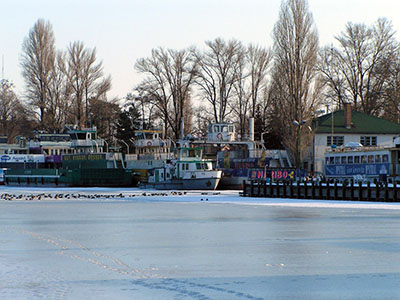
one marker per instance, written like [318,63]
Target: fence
[379,192]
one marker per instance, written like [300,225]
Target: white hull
[186,184]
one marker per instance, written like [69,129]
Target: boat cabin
[149,138]
[85,140]
[221,132]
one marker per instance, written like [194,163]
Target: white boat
[150,151]
[189,171]
[245,159]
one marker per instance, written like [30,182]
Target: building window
[368,140]
[337,140]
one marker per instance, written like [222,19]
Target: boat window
[225,128]
[378,158]
[216,128]
[385,158]
[331,160]
[337,160]
[202,166]
[363,159]
[343,160]
[350,159]
[230,128]
[356,159]
[370,158]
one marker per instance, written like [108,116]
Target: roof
[360,123]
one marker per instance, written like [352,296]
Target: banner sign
[243,163]
[357,169]
[21,158]
[288,174]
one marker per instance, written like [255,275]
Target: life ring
[219,136]
[149,143]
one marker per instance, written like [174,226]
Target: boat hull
[65,177]
[232,183]
[185,184]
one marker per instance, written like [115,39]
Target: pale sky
[124,30]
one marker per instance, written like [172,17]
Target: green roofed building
[345,126]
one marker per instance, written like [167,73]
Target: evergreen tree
[128,121]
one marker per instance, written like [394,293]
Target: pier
[350,191]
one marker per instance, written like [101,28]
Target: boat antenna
[2,67]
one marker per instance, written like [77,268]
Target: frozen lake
[195,246]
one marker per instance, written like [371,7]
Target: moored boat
[189,171]
[150,151]
[79,161]
[243,159]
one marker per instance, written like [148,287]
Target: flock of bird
[56,196]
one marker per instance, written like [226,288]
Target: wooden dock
[379,192]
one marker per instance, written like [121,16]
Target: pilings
[347,191]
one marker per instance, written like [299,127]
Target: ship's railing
[87,143]
[152,156]
[50,144]
[152,143]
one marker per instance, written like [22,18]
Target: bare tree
[251,85]
[335,82]
[218,73]
[15,119]
[258,59]
[38,57]
[294,75]
[8,104]
[359,70]
[170,75]
[392,91]
[240,102]
[59,96]
[85,78]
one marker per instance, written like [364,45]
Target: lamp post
[298,125]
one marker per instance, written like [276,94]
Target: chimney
[347,115]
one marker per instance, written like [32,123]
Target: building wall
[315,153]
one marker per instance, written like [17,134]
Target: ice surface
[122,244]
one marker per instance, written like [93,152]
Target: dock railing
[346,191]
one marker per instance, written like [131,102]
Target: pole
[127,146]
[299,153]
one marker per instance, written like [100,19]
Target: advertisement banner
[21,158]
[357,169]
